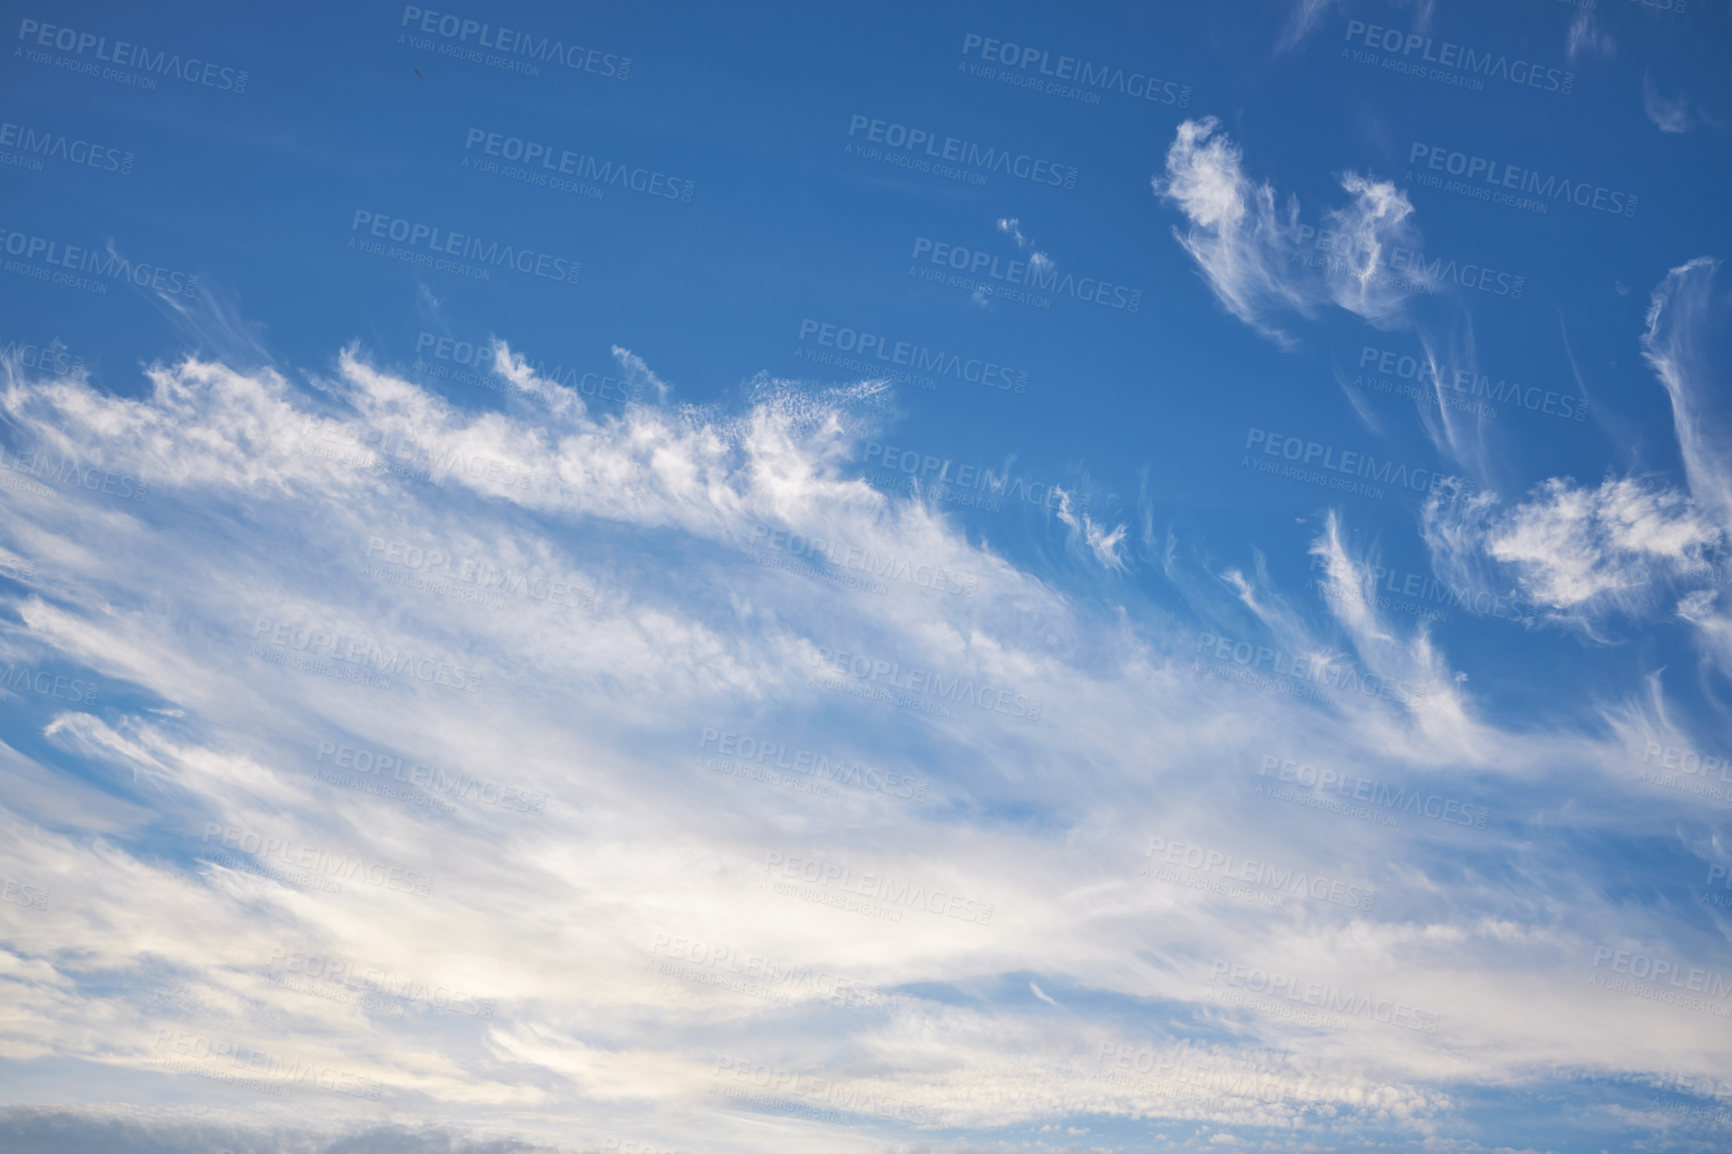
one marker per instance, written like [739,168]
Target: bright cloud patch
[1249,247]
[1572,545]
[435,676]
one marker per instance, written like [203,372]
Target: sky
[889,579]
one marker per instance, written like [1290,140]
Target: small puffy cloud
[1012,227]
[1572,545]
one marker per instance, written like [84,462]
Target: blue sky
[659,579]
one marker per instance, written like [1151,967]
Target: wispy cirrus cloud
[1247,243]
[1632,544]
[1308,15]
[1303,20]
[286,547]
[1669,116]
[1586,38]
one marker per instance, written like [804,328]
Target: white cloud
[1037,260]
[1670,116]
[1681,322]
[266,498]
[1303,20]
[1308,15]
[1634,544]
[1106,546]
[1572,545]
[1585,38]
[1685,319]
[1375,219]
[1250,249]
